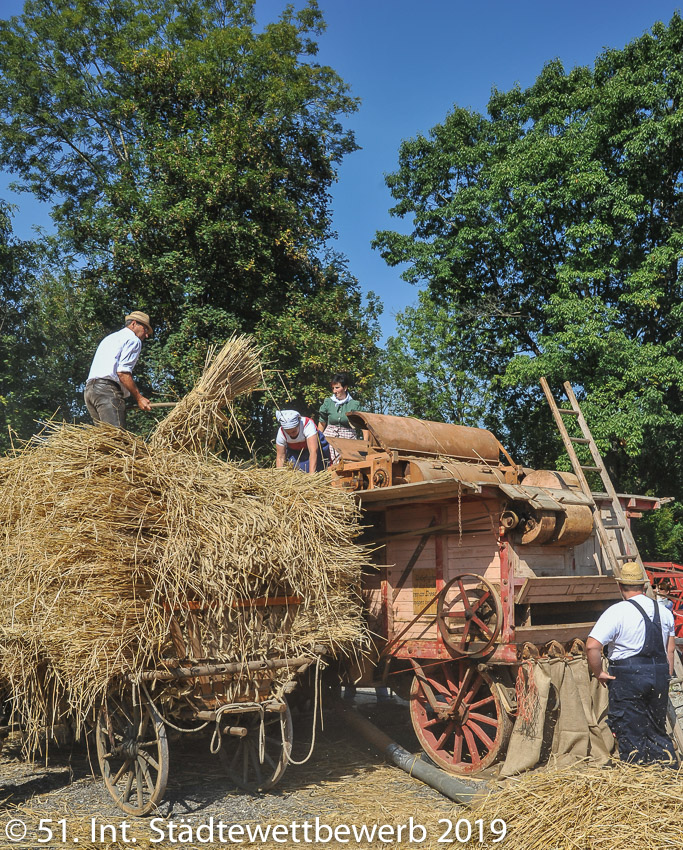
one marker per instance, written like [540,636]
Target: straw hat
[632,573]
[142,318]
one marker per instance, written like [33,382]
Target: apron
[297,453]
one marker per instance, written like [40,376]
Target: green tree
[553,226]
[44,338]
[188,157]
[431,366]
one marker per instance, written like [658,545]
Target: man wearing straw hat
[110,380]
[639,635]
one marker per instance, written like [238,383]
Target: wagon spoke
[461,687]
[129,785]
[146,774]
[138,783]
[479,732]
[245,763]
[435,685]
[257,767]
[457,746]
[120,709]
[482,718]
[121,771]
[472,746]
[486,701]
[147,758]
[267,758]
[450,726]
[473,689]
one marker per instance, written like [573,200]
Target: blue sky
[410,61]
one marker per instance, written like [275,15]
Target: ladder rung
[614,526]
[592,468]
[624,557]
[581,440]
[563,411]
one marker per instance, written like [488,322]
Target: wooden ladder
[621,547]
[610,546]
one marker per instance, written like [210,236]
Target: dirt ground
[345,782]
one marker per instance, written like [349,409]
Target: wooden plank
[563,633]
[419,491]
[567,589]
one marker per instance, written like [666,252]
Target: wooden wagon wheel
[132,751]
[254,763]
[469,615]
[469,730]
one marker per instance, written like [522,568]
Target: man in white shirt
[639,636]
[110,380]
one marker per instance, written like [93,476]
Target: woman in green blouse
[335,409]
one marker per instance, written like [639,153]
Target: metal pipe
[456,789]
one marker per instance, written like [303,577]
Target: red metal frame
[661,574]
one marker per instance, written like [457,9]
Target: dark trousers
[105,402]
[637,711]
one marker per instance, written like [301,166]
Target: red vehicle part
[666,578]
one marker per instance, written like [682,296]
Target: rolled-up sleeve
[128,357]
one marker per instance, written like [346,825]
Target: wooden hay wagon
[243,703]
[485,568]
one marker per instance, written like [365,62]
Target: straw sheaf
[106,537]
[203,417]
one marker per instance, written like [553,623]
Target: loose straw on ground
[589,808]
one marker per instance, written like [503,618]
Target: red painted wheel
[469,615]
[469,729]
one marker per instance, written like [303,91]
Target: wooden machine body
[433,517]
[548,592]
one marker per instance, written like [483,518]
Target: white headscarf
[288,418]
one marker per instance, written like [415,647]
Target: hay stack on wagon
[106,537]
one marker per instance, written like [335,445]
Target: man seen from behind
[110,380]
[639,636]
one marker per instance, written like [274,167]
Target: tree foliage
[44,336]
[551,229]
[431,369]
[188,156]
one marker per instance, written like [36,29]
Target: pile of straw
[105,537]
[590,808]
